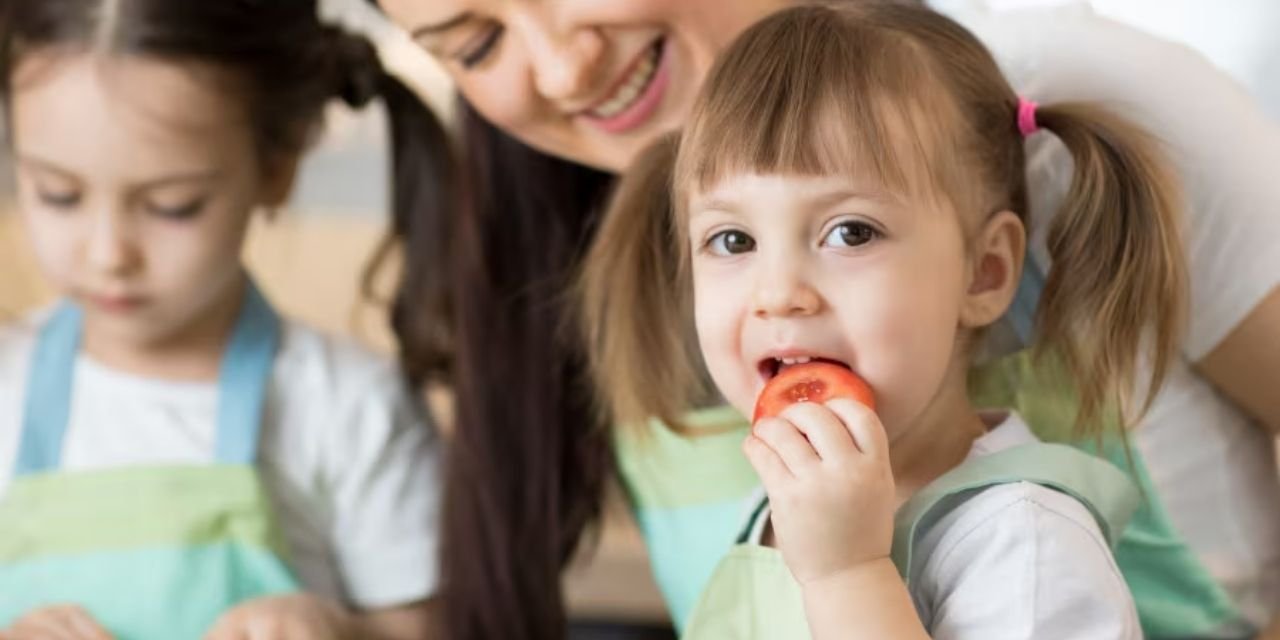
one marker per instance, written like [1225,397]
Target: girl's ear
[995,267]
[280,173]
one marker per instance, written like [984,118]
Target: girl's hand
[60,622]
[826,470]
[291,617]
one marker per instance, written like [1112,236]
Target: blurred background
[309,259]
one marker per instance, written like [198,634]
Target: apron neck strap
[1109,495]
[243,377]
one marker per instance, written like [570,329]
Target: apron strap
[243,377]
[1104,489]
[48,398]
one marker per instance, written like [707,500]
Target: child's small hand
[64,622]
[291,617]
[826,470]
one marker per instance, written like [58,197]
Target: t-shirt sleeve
[383,473]
[1022,561]
[1223,146]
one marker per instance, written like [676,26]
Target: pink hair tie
[1027,117]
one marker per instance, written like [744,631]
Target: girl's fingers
[768,464]
[789,442]
[863,425]
[823,429]
[84,625]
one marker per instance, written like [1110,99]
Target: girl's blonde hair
[906,96]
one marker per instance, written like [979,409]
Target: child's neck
[192,354]
[938,441]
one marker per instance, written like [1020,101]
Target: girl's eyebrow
[176,178]
[717,204]
[44,165]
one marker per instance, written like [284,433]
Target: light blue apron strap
[1022,312]
[48,398]
[1105,491]
[244,377]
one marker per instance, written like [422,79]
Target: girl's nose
[109,249]
[784,292]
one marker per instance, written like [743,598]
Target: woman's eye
[850,234]
[474,55]
[728,243]
[180,212]
[59,199]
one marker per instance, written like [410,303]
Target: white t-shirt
[1020,561]
[1213,466]
[351,466]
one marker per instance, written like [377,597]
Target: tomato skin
[815,382]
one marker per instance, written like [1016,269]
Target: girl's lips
[770,366]
[646,103]
[117,304]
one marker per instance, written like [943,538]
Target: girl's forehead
[125,113]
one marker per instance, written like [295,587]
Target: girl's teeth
[796,360]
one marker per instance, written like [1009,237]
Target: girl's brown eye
[851,234]
[727,243]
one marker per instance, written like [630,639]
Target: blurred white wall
[1242,37]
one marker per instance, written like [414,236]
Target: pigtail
[1116,295]
[423,204]
[635,300]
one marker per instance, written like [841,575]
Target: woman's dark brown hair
[529,456]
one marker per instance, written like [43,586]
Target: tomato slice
[815,382]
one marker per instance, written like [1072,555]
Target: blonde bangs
[831,96]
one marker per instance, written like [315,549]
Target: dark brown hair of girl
[287,62]
[823,90]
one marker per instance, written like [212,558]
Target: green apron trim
[69,514]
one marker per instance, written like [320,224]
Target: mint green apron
[689,495]
[150,552]
[733,605]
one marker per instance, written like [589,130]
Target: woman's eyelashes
[475,53]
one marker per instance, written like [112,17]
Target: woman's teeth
[631,89]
